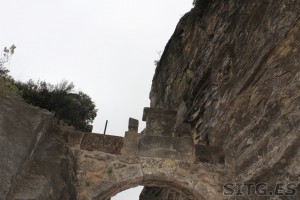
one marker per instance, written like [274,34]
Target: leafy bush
[77,110]
[7,87]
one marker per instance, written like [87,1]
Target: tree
[7,87]
[5,57]
[77,110]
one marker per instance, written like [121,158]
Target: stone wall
[100,142]
[103,175]
[231,70]
[94,141]
[35,162]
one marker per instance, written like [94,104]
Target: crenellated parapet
[159,139]
[131,138]
[161,155]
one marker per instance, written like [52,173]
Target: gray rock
[232,70]
[35,162]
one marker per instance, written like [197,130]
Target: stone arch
[161,155]
[102,175]
[182,189]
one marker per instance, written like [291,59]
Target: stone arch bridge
[161,155]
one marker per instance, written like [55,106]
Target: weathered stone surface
[130,147]
[232,70]
[74,137]
[159,193]
[209,154]
[159,122]
[133,125]
[160,139]
[35,162]
[102,179]
[54,165]
[183,130]
[166,147]
[105,143]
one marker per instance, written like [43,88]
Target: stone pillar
[131,138]
[160,140]
[159,122]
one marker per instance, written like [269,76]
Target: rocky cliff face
[35,161]
[232,70]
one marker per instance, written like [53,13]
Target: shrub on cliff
[200,3]
[77,110]
[7,87]
[4,59]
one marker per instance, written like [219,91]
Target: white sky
[106,48]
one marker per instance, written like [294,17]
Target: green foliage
[7,87]
[87,183]
[4,59]
[77,110]
[109,170]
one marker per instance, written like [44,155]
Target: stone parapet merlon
[159,139]
[159,121]
[131,138]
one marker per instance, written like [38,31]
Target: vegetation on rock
[7,87]
[76,110]
[4,59]
[200,3]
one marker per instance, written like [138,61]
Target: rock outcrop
[35,162]
[232,70]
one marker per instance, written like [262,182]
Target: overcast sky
[106,48]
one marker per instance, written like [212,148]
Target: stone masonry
[160,156]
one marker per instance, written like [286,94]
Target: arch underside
[115,189]
[101,175]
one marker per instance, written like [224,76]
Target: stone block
[130,173]
[166,147]
[158,168]
[131,138]
[105,143]
[159,121]
[133,125]
[130,143]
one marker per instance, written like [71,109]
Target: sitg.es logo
[259,189]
